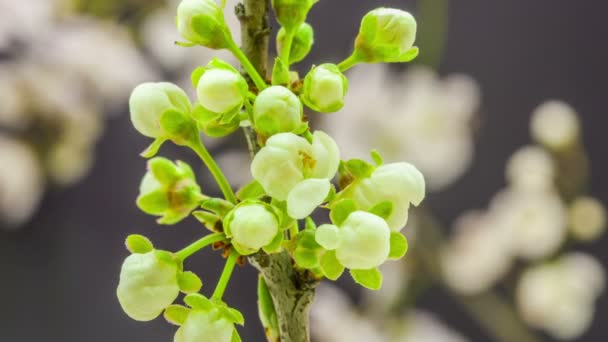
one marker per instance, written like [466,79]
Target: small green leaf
[152,150]
[280,72]
[399,245]
[409,55]
[176,314]
[204,116]
[198,301]
[139,244]
[185,44]
[172,217]
[275,245]
[382,209]
[209,220]
[266,310]
[376,157]
[219,206]
[306,258]
[359,168]
[310,224]
[153,203]
[163,170]
[234,316]
[340,211]
[189,282]
[371,279]
[236,337]
[251,190]
[331,267]
[179,127]
[196,76]
[306,239]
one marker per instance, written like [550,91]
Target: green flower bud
[301,44]
[292,13]
[221,88]
[208,320]
[276,110]
[292,169]
[386,35]
[149,101]
[325,88]
[361,242]
[251,225]
[148,284]
[202,22]
[168,190]
[397,183]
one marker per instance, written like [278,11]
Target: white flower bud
[205,326]
[276,110]
[325,88]
[221,88]
[364,241]
[148,284]
[531,168]
[555,125]
[251,225]
[399,183]
[587,218]
[202,22]
[386,35]
[149,101]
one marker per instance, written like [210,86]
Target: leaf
[251,190]
[153,203]
[340,211]
[235,336]
[306,258]
[219,206]
[275,245]
[176,314]
[280,72]
[359,168]
[376,157]
[180,128]
[330,266]
[310,224]
[189,282]
[382,209]
[153,148]
[164,171]
[196,76]
[209,220]
[198,301]
[371,279]
[399,245]
[204,116]
[266,310]
[234,316]
[139,244]
[409,55]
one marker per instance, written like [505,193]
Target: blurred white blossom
[555,125]
[587,218]
[559,297]
[419,326]
[477,255]
[415,117]
[21,182]
[531,168]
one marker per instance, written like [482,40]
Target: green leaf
[172,217]
[176,314]
[306,258]
[152,150]
[251,190]
[204,116]
[236,337]
[196,76]
[234,316]
[185,44]
[219,206]
[280,72]
[266,310]
[409,55]
[198,301]
[189,282]
[275,245]
[180,128]
[340,211]
[358,168]
[399,245]
[330,266]
[376,157]
[371,279]
[138,244]
[382,209]
[164,171]
[153,203]
[310,224]
[209,220]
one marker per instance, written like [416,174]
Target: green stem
[249,68]
[226,274]
[197,245]
[348,63]
[215,170]
[286,48]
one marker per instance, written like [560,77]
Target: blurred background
[503,112]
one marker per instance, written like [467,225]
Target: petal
[306,196]
[327,154]
[328,236]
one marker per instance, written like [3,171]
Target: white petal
[306,196]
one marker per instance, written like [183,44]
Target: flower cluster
[292,169]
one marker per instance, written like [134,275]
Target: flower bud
[276,110]
[361,242]
[221,88]
[386,35]
[290,168]
[398,183]
[149,101]
[292,13]
[205,326]
[202,22]
[555,125]
[251,225]
[325,88]
[301,44]
[168,190]
[148,284]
